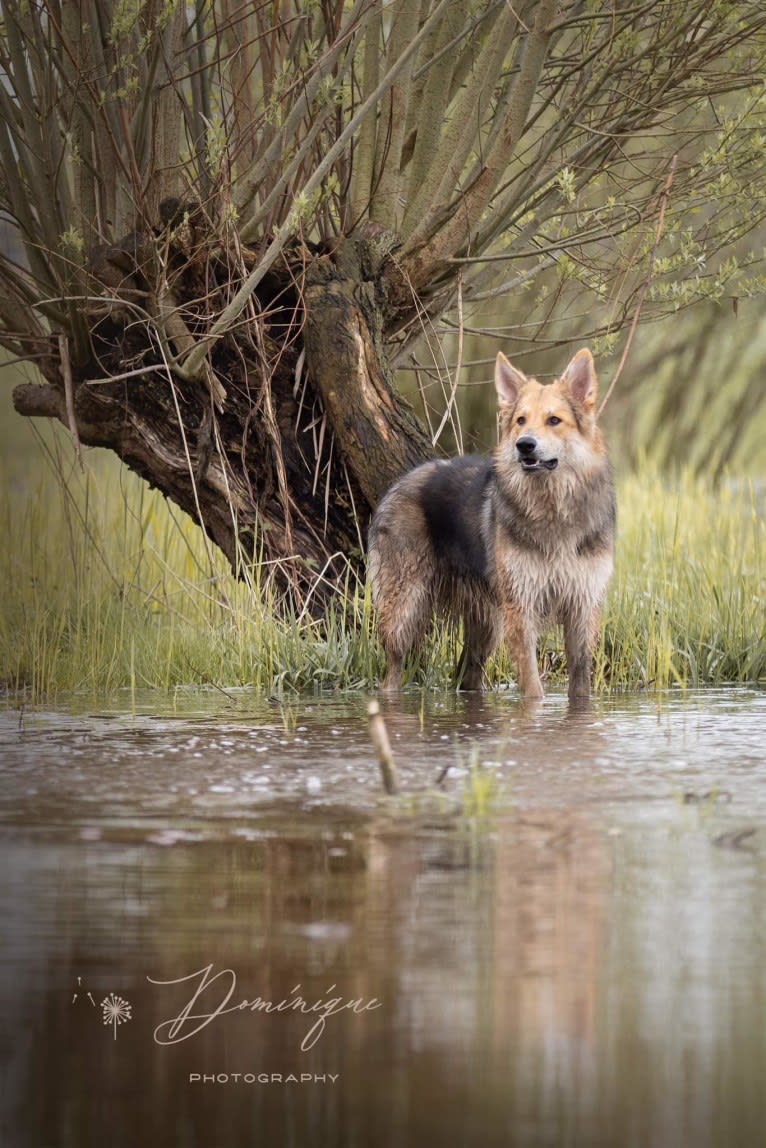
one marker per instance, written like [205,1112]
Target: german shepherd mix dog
[507,544]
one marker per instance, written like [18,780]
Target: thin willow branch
[360,13]
[364,150]
[385,207]
[645,285]
[445,241]
[302,153]
[434,101]
[289,228]
[460,131]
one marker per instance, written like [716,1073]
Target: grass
[105,586]
[108,586]
[688,602]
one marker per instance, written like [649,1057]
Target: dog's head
[543,428]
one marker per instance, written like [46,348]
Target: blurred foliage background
[692,392]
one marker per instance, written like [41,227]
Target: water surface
[554,935]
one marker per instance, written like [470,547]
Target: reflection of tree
[474,948]
[519,959]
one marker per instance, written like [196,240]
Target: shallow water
[554,935]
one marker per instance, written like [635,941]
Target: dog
[506,544]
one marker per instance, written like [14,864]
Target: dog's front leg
[521,639]
[580,638]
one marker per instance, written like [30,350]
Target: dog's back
[506,544]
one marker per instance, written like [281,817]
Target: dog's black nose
[526,445]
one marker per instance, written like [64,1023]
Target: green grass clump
[106,586]
[688,602]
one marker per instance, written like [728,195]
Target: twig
[379,736]
[455,376]
[66,371]
[645,285]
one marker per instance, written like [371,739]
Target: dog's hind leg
[402,592]
[402,624]
[480,639]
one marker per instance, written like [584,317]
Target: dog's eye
[521,420]
[553,420]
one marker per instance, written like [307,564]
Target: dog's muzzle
[529,455]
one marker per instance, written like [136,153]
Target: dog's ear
[581,380]
[508,381]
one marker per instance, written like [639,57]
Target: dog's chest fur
[550,547]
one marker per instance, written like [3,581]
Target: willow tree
[233,219]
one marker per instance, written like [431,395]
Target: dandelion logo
[115,1010]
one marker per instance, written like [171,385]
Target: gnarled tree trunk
[284,446]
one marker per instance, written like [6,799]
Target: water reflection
[566,939]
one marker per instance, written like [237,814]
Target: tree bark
[376,429]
